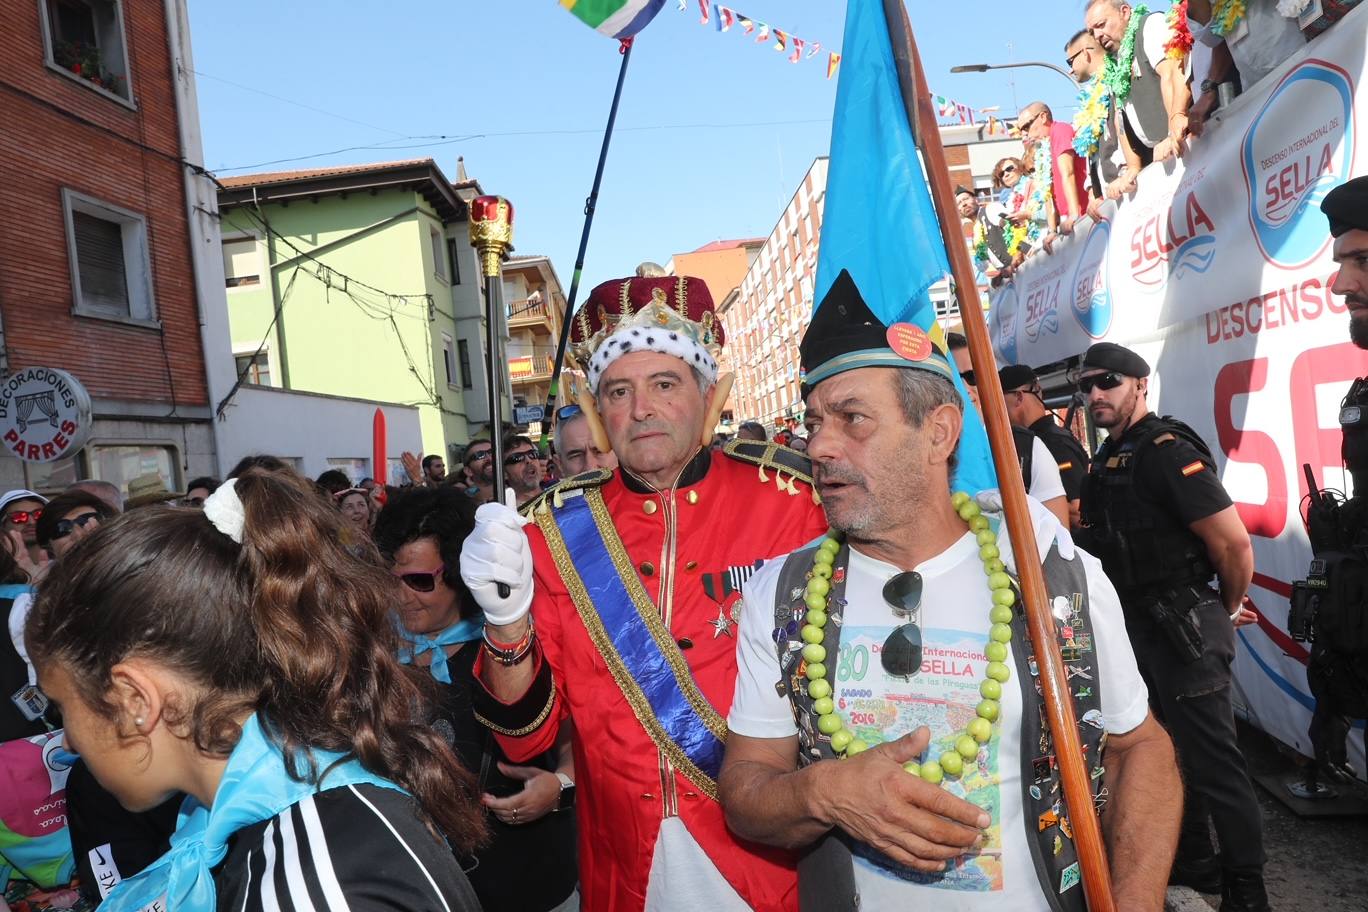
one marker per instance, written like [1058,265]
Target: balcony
[534,315]
[530,369]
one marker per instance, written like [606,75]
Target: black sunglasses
[968,378]
[422,582]
[902,651]
[1108,381]
[479,457]
[1076,54]
[513,459]
[66,526]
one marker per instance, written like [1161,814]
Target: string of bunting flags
[724,18]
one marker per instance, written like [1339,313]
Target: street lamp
[985,67]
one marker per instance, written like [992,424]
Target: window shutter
[240,262]
[100,263]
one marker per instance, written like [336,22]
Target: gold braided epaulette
[785,464]
[554,495]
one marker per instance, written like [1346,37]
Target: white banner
[1234,227]
[1218,273]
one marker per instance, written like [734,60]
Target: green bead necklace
[977,732]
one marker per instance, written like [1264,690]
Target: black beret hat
[1113,357]
[1347,206]
[846,335]
[1015,376]
[963,189]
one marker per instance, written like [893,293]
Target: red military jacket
[691,547]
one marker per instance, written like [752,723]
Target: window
[449,359]
[463,348]
[241,262]
[354,468]
[110,270]
[455,258]
[439,265]
[257,366]
[84,40]
[122,464]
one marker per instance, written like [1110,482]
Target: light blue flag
[879,222]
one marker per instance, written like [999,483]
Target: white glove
[497,552]
[1048,529]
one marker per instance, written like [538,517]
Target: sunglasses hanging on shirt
[902,651]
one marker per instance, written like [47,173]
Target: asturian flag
[879,222]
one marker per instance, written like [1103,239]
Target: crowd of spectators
[1149,83]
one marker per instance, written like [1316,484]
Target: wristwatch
[567,792]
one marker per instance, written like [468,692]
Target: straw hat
[148,489]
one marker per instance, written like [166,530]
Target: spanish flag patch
[1192,468]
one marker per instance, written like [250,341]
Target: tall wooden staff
[1073,770]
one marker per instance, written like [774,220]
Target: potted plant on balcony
[85,61]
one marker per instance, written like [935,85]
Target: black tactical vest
[1144,548]
[826,877]
[1353,418]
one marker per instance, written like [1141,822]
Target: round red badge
[910,341]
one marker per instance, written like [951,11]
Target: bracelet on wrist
[509,653]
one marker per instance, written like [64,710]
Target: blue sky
[714,131]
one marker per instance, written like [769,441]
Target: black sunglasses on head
[902,651]
[1108,381]
[566,412]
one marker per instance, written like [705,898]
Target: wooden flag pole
[1073,769]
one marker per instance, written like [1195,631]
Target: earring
[139,722]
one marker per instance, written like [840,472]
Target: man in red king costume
[622,601]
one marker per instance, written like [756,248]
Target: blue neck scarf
[255,787]
[460,632]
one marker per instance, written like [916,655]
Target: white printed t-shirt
[1001,876]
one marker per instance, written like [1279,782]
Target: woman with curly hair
[421,531]
[241,655]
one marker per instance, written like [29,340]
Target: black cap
[1347,206]
[1016,376]
[845,334]
[963,189]
[1113,357]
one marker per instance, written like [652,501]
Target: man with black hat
[1026,408]
[1156,514]
[990,243]
[1338,669]
[871,647]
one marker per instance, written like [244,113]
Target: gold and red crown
[672,315]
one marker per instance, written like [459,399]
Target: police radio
[1321,529]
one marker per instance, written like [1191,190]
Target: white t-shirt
[1259,44]
[1045,483]
[954,623]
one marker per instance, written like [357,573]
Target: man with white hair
[621,605]
[575,450]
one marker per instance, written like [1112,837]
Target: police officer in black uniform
[1156,514]
[1338,671]
[1026,407]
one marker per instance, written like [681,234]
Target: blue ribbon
[255,787]
[460,632]
[632,640]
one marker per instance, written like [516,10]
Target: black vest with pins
[826,875]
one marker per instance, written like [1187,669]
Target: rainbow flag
[614,18]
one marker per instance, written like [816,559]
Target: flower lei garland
[1117,73]
[1094,101]
[1180,35]
[1225,16]
[980,243]
[1292,8]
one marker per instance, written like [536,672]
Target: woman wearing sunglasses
[241,655]
[70,517]
[421,531]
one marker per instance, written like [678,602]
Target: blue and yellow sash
[626,629]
